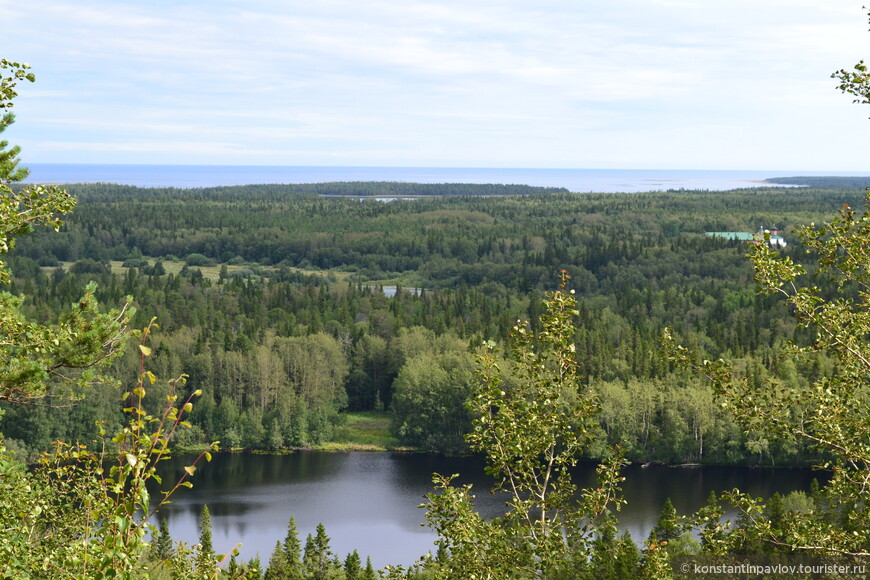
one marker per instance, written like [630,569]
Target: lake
[368,500]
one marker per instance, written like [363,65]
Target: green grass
[368,430]
[213,272]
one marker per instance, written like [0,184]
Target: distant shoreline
[575,180]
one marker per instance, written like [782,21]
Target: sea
[575,180]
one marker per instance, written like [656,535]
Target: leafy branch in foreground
[18,72]
[855,82]
[833,413]
[87,514]
[532,421]
[78,513]
[52,363]
[65,355]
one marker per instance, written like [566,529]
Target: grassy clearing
[213,272]
[364,431]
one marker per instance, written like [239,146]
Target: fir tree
[9,170]
[234,571]
[278,567]
[205,560]
[254,570]
[613,558]
[293,551]
[668,528]
[352,567]
[317,554]
[369,572]
[163,545]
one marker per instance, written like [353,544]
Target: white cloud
[431,82]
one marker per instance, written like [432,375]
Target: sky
[609,84]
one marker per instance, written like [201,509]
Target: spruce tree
[163,545]
[352,566]
[9,170]
[234,570]
[317,554]
[627,557]
[293,551]
[205,560]
[369,572]
[278,568]
[668,528]
[254,570]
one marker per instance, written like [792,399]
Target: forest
[290,306]
[533,327]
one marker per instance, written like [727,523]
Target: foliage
[205,558]
[8,81]
[84,513]
[638,263]
[34,354]
[9,169]
[81,512]
[855,82]
[532,431]
[833,413]
[430,393]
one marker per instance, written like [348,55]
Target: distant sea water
[577,180]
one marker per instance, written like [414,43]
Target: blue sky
[653,84]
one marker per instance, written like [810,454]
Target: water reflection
[368,501]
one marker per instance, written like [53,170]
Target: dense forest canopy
[270,299]
[833,182]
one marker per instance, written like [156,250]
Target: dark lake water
[368,501]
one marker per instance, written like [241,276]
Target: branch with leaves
[533,420]
[834,412]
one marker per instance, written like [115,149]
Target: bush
[48,261]
[89,266]
[241,273]
[135,263]
[198,260]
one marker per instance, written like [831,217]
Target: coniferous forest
[289,307]
[532,327]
